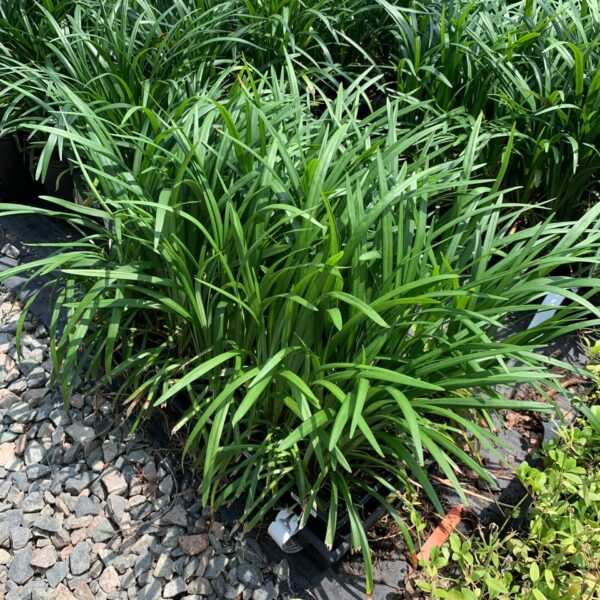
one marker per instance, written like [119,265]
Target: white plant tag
[551,299]
[283,529]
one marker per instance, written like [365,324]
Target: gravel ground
[88,510]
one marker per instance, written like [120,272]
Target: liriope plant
[528,63]
[328,292]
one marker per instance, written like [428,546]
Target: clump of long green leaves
[328,292]
[531,63]
[528,65]
[150,47]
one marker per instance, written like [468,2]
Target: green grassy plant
[313,223]
[530,63]
[329,292]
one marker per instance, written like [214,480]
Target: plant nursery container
[283,530]
[59,181]
[312,535]
[9,168]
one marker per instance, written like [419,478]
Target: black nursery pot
[10,169]
[17,185]
[59,181]
[311,536]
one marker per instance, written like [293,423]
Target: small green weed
[558,556]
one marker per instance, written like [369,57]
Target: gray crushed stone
[88,510]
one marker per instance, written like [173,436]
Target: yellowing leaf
[534,572]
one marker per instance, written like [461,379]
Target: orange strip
[442,532]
